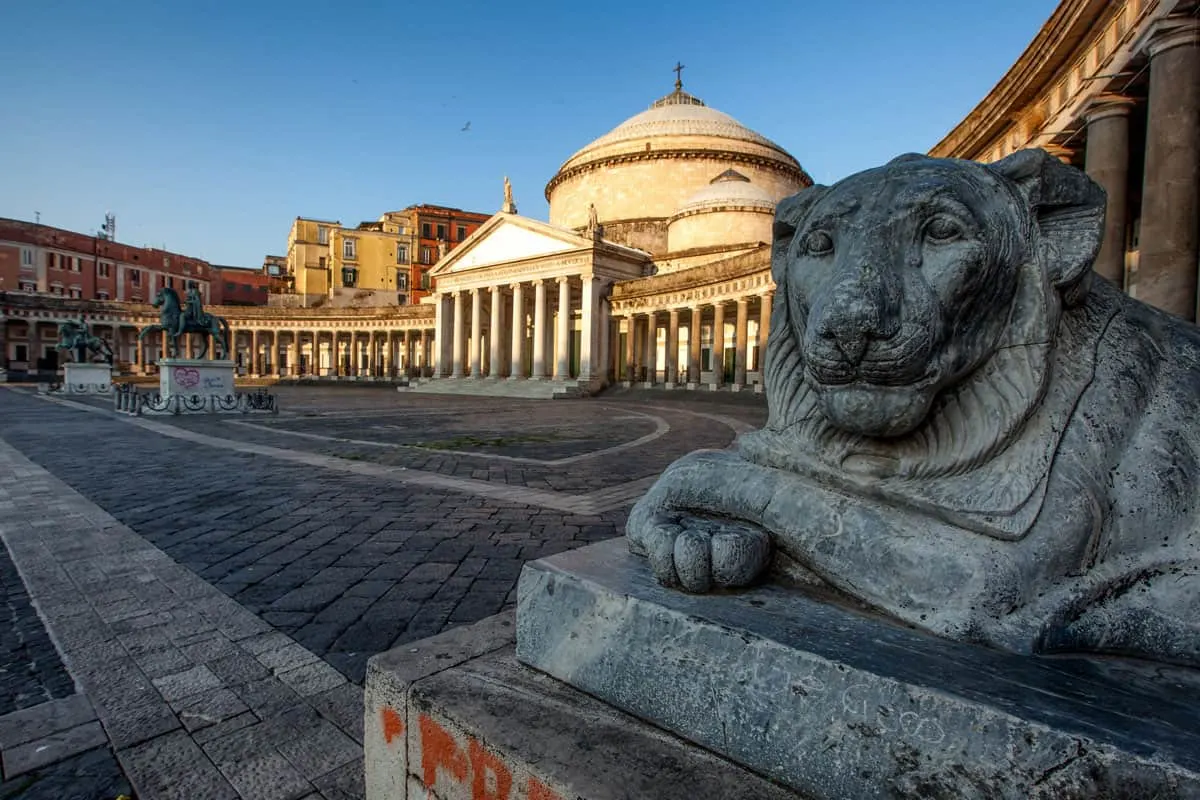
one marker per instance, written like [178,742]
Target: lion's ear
[1069,209]
[789,213]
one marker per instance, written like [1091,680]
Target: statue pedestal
[194,377]
[837,703]
[85,378]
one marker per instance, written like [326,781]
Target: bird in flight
[466,127]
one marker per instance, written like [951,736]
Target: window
[229,287]
[52,260]
[166,262]
[349,276]
[402,299]
[441,230]
[22,352]
[401,254]
[426,231]
[56,289]
[322,234]
[135,277]
[426,255]
[402,280]
[103,270]
[321,262]
[101,295]
[75,292]
[425,281]
[26,257]
[400,229]
[27,286]
[348,248]
[460,233]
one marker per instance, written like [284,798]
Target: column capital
[515,286]
[561,279]
[1107,105]
[1170,32]
[743,301]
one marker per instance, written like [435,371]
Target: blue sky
[207,126]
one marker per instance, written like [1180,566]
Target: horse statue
[176,320]
[78,337]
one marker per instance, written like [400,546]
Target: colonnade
[1167,267]
[524,330]
[713,328]
[318,352]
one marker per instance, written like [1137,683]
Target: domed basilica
[654,267]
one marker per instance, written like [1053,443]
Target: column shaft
[517,367]
[672,354]
[718,348]
[562,347]
[476,333]
[589,348]
[495,333]
[457,324]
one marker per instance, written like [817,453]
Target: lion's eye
[943,229]
[818,243]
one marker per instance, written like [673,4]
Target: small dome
[730,188]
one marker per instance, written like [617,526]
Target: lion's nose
[852,348]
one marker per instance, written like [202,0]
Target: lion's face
[900,281]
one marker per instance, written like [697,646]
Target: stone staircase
[490,387]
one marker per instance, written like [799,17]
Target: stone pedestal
[836,703]
[85,378]
[455,717]
[193,377]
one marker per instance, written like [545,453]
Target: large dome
[642,172]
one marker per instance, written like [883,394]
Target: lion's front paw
[698,554]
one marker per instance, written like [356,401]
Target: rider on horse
[193,309]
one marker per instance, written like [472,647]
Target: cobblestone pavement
[31,671]
[354,521]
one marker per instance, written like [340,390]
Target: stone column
[718,348]
[764,329]
[741,334]
[495,337]
[1170,228]
[539,330]
[630,335]
[1107,162]
[651,348]
[516,368]
[476,333]
[314,355]
[562,346]
[694,345]
[255,362]
[141,355]
[606,338]
[589,348]
[672,354]
[423,350]
[457,324]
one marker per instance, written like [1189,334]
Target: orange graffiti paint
[393,726]
[540,791]
[485,763]
[438,749]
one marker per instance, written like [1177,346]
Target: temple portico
[523,300]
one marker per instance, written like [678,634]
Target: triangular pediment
[506,238]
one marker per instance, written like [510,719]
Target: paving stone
[55,747]
[287,657]
[312,678]
[173,767]
[343,706]
[344,783]
[238,667]
[209,708]
[52,716]
[249,760]
[94,775]
[187,683]
[317,749]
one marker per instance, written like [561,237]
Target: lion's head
[901,288]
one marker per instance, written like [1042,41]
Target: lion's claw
[699,554]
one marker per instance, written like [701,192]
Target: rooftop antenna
[110,226]
[37,217]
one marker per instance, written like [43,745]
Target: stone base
[456,717]
[81,378]
[192,377]
[841,704]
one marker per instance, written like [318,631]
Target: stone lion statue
[967,431]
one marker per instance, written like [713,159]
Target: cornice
[762,161]
[1059,39]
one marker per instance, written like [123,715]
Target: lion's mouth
[869,373]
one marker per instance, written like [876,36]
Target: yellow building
[308,257]
[364,262]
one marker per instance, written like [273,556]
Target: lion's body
[1045,499]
